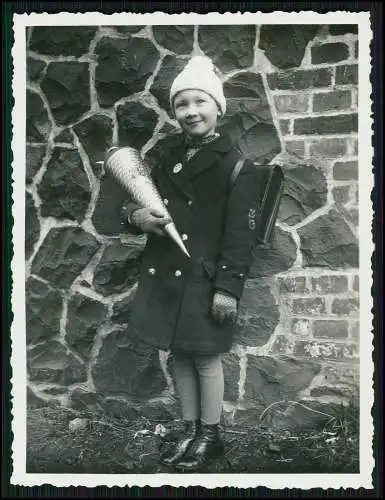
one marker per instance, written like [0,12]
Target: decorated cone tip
[126,166]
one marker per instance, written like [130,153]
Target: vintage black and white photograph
[192,250]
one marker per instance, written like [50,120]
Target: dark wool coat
[172,305]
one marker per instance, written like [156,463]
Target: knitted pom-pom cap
[199,74]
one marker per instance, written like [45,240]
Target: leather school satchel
[271,180]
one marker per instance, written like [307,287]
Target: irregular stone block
[284,45]
[329,53]
[231,375]
[35,68]
[128,29]
[230,47]
[121,312]
[44,308]
[49,362]
[65,136]
[124,65]
[38,126]
[171,66]
[269,380]
[67,88]
[95,135]
[32,225]
[63,255]
[328,241]
[300,79]
[64,189]
[122,368]
[176,38]
[136,124]
[83,399]
[305,190]
[341,124]
[118,269]
[33,160]
[62,40]
[33,401]
[274,257]
[84,317]
[248,118]
[120,407]
[258,314]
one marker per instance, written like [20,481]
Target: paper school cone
[126,166]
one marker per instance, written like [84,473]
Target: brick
[284,125]
[301,327]
[300,79]
[355,331]
[292,103]
[330,284]
[345,171]
[356,283]
[346,74]
[336,100]
[355,146]
[343,29]
[292,285]
[328,148]
[339,124]
[344,307]
[356,51]
[295,147]
[341,194]
[309,306]
[315,349]
[329,53]
[330,329]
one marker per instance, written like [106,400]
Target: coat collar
[205,158]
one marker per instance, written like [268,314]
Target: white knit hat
[199,74]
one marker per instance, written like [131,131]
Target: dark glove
[224,308]
[150,220]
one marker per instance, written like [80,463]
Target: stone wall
[292,100]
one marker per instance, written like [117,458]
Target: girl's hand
[224,307]
[150,220]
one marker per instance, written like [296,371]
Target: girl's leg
[210,371]
[208,443]
[187,386]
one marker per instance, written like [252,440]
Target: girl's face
[196,112]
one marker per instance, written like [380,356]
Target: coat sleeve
[241,232]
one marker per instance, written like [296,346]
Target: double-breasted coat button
[177,168]
[178,273]
[184,237]
[241,275]
[224,266]
[151,271]
[165,201]
[189,203]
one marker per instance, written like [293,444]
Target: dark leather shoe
[181,446]
[207,445]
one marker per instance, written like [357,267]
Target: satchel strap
[235,172]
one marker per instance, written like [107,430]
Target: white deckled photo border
[20,477]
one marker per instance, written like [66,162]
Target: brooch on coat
[252,215]
[177,168]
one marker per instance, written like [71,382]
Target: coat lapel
[205,158]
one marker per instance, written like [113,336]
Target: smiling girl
[189,306]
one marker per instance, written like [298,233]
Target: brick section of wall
[329,53]
[300,79]
[334,100]
[321,125]
[345,171]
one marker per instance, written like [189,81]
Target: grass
[110,445]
